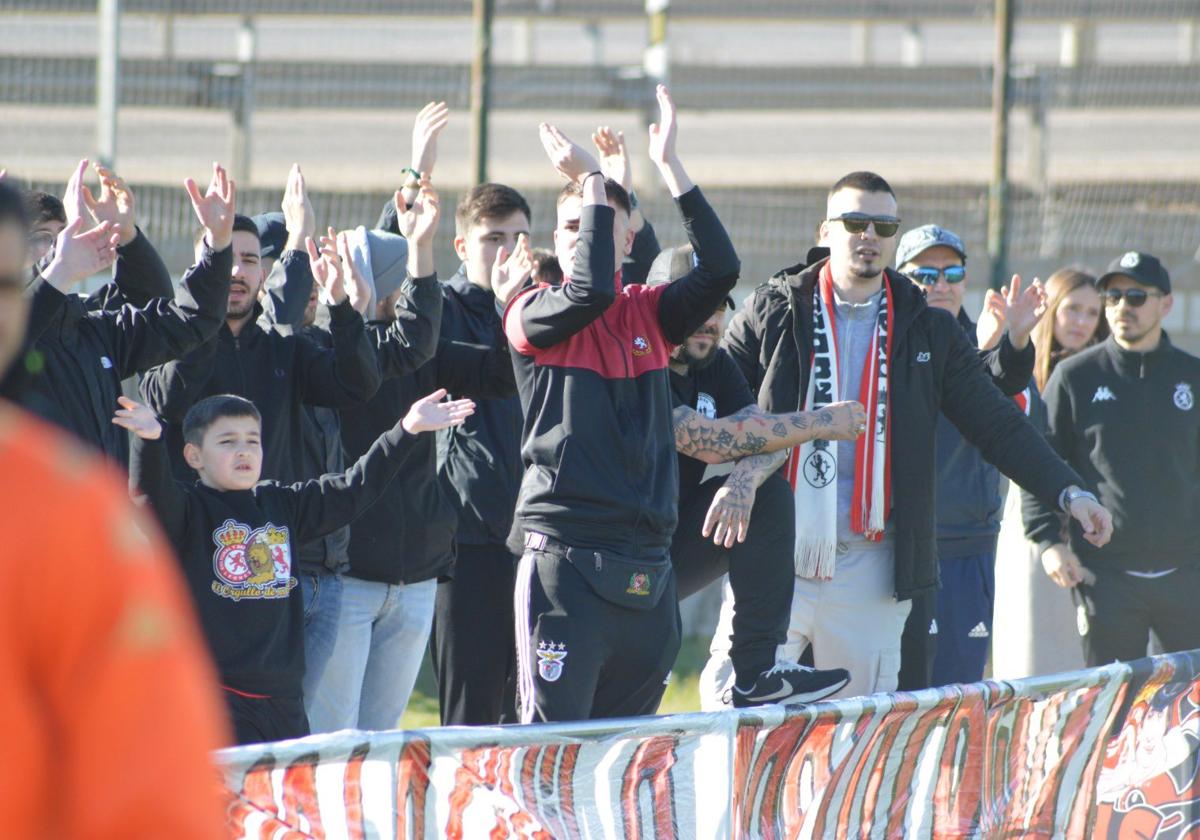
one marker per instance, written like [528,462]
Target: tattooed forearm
[754,470]
[750,431]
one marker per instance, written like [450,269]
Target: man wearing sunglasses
[948,634]
[847,327]
[1124,414]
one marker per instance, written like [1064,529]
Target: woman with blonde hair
[1034,625]
[1074,320]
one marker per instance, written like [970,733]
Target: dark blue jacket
[969,503]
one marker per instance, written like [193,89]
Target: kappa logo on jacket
[923,357]
[252,563]
[1104,394]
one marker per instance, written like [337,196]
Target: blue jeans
[322,593]
[381,639]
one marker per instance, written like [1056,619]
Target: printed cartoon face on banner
[252,563]
[1149,785]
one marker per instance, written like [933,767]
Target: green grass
[682,694]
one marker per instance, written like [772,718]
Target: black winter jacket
[88,345]
[1130,424]
[479,462]
[934,370]
[408,535]
[278,373]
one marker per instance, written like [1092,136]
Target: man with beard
[714,536]
[865,511]
[278,373]
[1124,414]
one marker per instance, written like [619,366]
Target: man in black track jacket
[866,530]
[595,596]
[1123,413]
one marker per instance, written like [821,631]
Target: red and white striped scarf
[813,467]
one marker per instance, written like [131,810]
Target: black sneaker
[791,683]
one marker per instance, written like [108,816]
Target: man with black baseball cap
[1123,414]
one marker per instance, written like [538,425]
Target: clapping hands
[215,208]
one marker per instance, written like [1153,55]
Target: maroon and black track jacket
[591,365]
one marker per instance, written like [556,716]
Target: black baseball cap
[673,263]
[1144,268]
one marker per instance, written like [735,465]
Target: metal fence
[778,98]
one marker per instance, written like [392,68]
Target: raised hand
[418,222]
[75,203]
[115,204]
[78,254]
[429,414]
[429,124]
[326,265]
[357,287]
[298,215]
[614,159]
[570,159]
[1064,568]
[510,271]
[215,209]
[137,418]
[840,421]
[663,132]
[1025,309]
[992,320]
[662,145]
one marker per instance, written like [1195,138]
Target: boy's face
[478,246]
[230,456]
[566,234]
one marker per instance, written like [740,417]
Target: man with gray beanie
[405,541]
[1123,413]
[948,633]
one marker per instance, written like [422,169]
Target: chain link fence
[778,98]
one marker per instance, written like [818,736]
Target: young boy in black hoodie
[236,538]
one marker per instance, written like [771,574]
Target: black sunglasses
[885,226]
[927,276]
[1133,297]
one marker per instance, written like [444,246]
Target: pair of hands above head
[575,163]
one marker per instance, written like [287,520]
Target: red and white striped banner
[1109,752]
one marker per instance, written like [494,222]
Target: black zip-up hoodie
[934,369]
[278,373]
[88,345]
[591,362]
[408,535]
[1129,423]
[479,462]
[238,552]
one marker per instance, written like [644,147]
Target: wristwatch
[413,181]
[1072,493]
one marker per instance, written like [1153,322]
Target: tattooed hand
[728,516]
[839,421]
